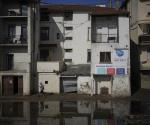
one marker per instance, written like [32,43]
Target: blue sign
[120,71]
[119,52]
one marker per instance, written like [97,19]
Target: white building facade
[110,58]
[17,46]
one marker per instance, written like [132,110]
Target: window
[68,15]
[68,50]
[58,36]
[44,33]
[44,16]
[68,38]
[148,9]
[68,60]
[69,28]
[88,55]
[105,57]
[46,82]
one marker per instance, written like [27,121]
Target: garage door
[69,84]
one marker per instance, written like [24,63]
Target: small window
[58,36]
[69,28]
[88,55]
[68,60]
[105,57]
[148,9]
[68,38]
[46,82]
[44,33]
[68,50]
[68,15]
[89,33]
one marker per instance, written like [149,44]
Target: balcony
[144,39]
[15,40]
[11,11]
[104,38]
[49,66]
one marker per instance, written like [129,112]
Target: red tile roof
[94,10]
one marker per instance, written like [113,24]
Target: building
[65,48]
[140,41]
[65,38]
[110,58]
[87,36]
[18,46]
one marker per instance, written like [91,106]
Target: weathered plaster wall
[53,82]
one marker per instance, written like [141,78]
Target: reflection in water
[82,112]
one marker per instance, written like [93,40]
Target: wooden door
[7,85]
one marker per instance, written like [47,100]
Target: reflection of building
[15,113]
[16,45]
[71,113]
[140,41]
[49,113]
[110,59]
[82,112]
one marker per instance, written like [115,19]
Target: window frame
[104,58]
[69,38]
[89,55]
[68,50]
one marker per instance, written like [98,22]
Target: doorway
[12,85]
[103,85]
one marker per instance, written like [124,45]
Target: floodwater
[99,112]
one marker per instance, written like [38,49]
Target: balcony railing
[105,38]
[14,13]
[144,39]
[16,39]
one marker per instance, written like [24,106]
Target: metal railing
[15,39]
[105,38]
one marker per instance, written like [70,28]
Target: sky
[93,2]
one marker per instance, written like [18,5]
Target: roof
[78,70]
[94,10]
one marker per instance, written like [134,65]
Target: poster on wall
[120,58]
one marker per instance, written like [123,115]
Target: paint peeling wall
[121,86]
[84,85]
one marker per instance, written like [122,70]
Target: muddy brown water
[79,112]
